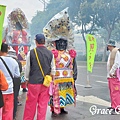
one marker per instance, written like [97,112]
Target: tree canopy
[98,14]
[53,7]
[90,15]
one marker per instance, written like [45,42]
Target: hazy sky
[29,7]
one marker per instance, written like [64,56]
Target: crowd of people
[59,90]
[59,64]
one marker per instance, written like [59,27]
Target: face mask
[61,44]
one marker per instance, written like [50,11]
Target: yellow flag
[2,15]
[91,51]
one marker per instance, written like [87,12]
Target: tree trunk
[104,54]
[83,36]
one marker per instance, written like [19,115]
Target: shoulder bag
[47,78]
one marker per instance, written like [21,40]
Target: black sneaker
[63,111]
[113,112]
[24,90]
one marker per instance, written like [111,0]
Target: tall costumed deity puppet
[17,27]
[60,39]
[16,34]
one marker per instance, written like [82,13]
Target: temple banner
[2,15]
[91,51]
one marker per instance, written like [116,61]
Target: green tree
[86,19]
[38,22]
[116,32]
[97,14]
[108,13]
[53,7]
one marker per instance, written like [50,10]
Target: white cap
[12,53]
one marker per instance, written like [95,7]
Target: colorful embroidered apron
[63,88]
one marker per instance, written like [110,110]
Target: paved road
[97,96]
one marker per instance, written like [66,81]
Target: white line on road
[102,82]
[86,67]
[81,66]
[93,99]
[79,85]
[98,76]
[95,81]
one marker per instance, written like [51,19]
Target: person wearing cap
[16,80]
[113,65]
[38,94]
[8,95]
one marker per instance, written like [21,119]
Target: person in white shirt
[8,95]
[113,65]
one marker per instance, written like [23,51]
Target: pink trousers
[0,113]
[7,110]
[37,97]
[114,87]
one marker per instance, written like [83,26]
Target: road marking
[81,66]
[79,85]
[93,99]
[102,82]
[98,76]
[95,81]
